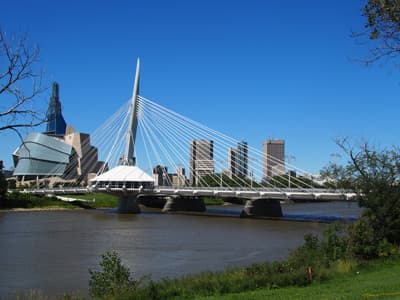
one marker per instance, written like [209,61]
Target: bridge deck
[281,194]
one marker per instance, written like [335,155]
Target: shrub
[335,243]
[3,186]
[113,280]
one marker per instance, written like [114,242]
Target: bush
[321,254]
[12,184]
[375,175]
[114,279]
[3,186]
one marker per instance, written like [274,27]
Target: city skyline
[248,61]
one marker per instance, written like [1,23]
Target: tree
[3,187]
[218,180]
[114,278]
[20,83]
[293,181]
[375,175]
[382,28]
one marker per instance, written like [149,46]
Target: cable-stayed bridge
[144,138]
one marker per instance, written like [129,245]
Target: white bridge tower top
[129,155]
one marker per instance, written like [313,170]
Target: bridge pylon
[127,175]
[129,155]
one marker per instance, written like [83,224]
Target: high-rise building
[60,152]
[160,176]
[180,178]
[232,162]
[273,158]
[242,159]
[238,160]
[56,125]
[201,160]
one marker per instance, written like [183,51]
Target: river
[53,250]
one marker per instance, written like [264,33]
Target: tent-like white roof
[124,174]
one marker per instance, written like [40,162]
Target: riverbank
[376,280]
[19,201]
[27,202]
[340,279]
[363,280]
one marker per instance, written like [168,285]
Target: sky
[253,70]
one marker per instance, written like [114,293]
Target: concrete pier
[127,204]
[262,207]
[179,203]
[152,201]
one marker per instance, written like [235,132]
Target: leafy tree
[282,181]
[216,180]
[382,28]
[20,83]
[375,176]
[113,280]
[3,187]
[338,177]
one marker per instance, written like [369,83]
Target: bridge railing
[259,189]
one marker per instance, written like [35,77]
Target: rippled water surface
[53,250]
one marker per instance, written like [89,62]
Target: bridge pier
[127,204]
[262,207]
[180,203]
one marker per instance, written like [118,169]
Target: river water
[53,250]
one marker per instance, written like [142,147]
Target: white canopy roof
[124,174]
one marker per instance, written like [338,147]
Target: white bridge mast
[129,155]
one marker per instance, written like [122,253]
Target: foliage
[113,280]
[282,181]
[213,201]
[20,200]
[18,68]
[318,253]
[98,200]
[375,176]
[12,184]
[216,180]
[338,177]
[377,280]
[3,186]
[383,27]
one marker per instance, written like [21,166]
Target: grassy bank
[353,279]
[377,280]
[97,200]
[29,201]
[213,201]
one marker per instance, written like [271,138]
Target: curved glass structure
[42,155]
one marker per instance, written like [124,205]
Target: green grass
[29,201]
[380,280]
[102,200]
[213,201]
[19,200]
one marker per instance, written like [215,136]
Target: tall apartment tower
[238,160]
[201,160]
[273,158]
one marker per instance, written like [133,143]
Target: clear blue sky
[250,69]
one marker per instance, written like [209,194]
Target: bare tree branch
[382,30]
[20,83]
